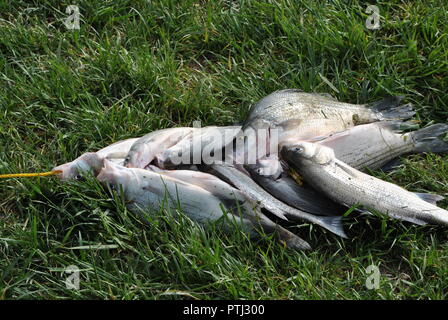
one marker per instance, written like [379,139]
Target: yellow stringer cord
[297,178]
[29,175]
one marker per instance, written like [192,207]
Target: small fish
[200,196]
[92,162]
[145,149]
[346,185]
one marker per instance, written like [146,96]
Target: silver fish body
[201,201]
[145,149]
[365,146]
[241,180]
[93,161]
[346,185]
[373,145]
[203,145]
[292,105]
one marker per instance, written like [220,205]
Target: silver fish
[292,106]
[241,180]
[365,146]
[346,185]
[373,145]
[200,201]
[283,187]
[202,145]
[93,161]
[145,149]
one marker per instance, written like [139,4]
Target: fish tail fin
[390,109]
[292,240]
[431,139]
[334,224]
[429,197]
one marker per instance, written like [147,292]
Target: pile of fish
[297,157]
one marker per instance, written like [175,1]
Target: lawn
[135,66]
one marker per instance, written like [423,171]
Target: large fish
[201,201]
[365,146]
[145,149]
[307,112]
[93,161]
[349,186]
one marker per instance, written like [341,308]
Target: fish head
[88,163]
[308,151]
[267,167]
[172,157]
[138,156]
[163,160]
[116,177]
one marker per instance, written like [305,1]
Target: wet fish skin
[228,194]
[200,201]
[117,151]
[93,161]
[145,149]
[346,185]
[364,146]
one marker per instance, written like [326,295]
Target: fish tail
[292,240]
[390,109]
[431,139]
[333,224]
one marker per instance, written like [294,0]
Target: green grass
[136,66]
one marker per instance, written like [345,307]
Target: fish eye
[79,177]
[298,149]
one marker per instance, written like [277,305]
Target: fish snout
[65,171]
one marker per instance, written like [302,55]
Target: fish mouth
[63,170]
